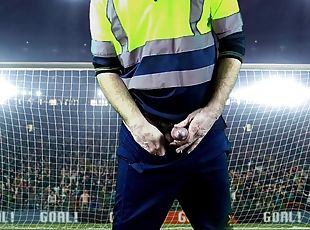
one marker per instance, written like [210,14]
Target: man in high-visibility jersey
[161,64]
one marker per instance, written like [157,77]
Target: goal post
[58,140]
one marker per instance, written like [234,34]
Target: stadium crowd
[270,188]
[73,181]
[67,183]
[60,159]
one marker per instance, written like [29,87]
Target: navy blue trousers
[147,184]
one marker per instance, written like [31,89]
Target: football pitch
[166,227]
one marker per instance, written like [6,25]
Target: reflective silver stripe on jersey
[103,49]
[195,15]
[117,28]
[228,25]
[167,46]
[170,79]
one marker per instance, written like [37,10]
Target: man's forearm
[225,79]
[145,134]
[201,120]
[119,97]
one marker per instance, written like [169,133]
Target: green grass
[166,227]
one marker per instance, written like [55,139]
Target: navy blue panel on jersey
[172,104]
[173,62]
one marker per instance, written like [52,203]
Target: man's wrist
[134,121]
[214,109]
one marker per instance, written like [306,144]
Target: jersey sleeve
[227,25]
[226,18]
[104,46]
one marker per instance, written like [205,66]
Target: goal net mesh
[58,140]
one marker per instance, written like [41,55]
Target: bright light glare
[38,93]
[6,90]
[274,92]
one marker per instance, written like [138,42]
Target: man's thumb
[183,123]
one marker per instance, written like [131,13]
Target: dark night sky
[277,31]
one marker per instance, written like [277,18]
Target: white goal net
[58,139]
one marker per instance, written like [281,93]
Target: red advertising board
[179,217]
[176,217]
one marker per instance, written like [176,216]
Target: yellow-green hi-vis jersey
[165,50]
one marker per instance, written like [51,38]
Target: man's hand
[145,134]
[148,137]
[198,123]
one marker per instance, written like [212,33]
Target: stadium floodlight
[6,90]
[274,92]
[24,92]
[38,93]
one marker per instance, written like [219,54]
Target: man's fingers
[157,149]
[161,151]
[194,145]
[183,123]
[154,148]
[191,146]
[181,148]
[177,143]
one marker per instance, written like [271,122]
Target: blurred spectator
[52,200]
[85,200]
